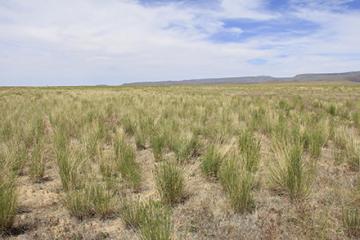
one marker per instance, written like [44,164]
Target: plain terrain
[261,161]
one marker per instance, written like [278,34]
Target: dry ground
[205,212]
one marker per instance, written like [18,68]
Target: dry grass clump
[169,182]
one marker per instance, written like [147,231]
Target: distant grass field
[254,161]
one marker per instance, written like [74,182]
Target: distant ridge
[347,76]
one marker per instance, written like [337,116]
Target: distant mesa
[347,76]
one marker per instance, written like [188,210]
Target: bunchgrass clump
[150,218]
[186,148]
[249,150]
[78,203]
[126,163]
[93,199]
[351,222]
[169,182]
[37,166]
[69,162]
[237,183]
[290,173]
[8,200]
[314,140]
[157,142]
[353,154]
[210,162]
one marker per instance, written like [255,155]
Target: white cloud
[82,42]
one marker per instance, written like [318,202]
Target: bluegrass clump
[150,218]
[126,164]
[211,162]
[237,183]
[169,182]
[290,173]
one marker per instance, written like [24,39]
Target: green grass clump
[79,204]
[8,201]
[186,148]
[249,150]
[210,162]
[351,222]
[353,154]
[314,140]
[151,218]
[93,199]
[290,173]
[126,164]
[169,182]
[37,167]
[69,162]
[237,183]
[140,139]
[158,144]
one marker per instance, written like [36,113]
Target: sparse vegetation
[180,162]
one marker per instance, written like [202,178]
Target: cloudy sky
[79,42]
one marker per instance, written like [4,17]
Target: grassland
[262,161]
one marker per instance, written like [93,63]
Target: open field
[261,161]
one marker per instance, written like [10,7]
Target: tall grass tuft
[351,222]
[126,164]
[92,199]
[37,167]
[290,173]
[68,162]
[210,162]
[186,148]
[169,182]
[249,150]
[237,183]
[353,154]
[157,142]
[8,198]
[314,140]
[151,218]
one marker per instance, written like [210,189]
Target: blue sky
[87,42]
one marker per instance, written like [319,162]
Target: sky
[92,42]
